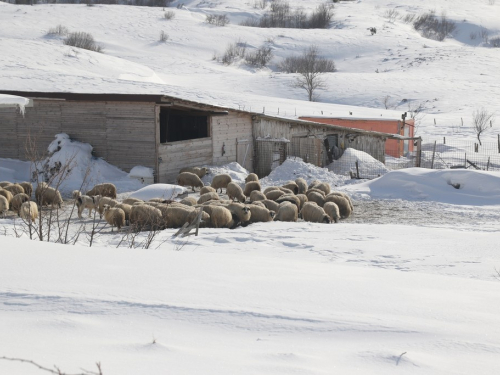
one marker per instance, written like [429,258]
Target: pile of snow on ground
[164,191]
[368,166]
[236,171]
[463,187]
[295,167]
[83,170]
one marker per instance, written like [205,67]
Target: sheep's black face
[272,213]
[326,219]
[246,210]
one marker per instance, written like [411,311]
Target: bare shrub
[58,30]
[163,36]
[169,15]
[321,17]
[233,51]
[262,4]
[495,42]
[281,15]
[260,58]
[217,19]
[310,68]
[82,40]
[409,18]
[432,27]
[391,14]
[473,35]
[481,118]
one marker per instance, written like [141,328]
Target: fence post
[476,147]
[357,169]
[419,153]
[433,154]
[488,165]
[444,140]
[465,161]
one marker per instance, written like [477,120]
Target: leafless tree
[480,120]
[387,101]
[310,67]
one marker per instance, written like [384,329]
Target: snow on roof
[14,101]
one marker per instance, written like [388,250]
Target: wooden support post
[444,140]
[433,154]
[186,228]
[419,153]
[357,169]
[476,147]
[488,165]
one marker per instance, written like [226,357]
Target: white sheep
[313,213]
[220,181]
[271,205]
[189,201]
[257,196]
[252,186]
[332,210]
[144,216]
[343,195]
[287,212]
[301,184]
[207,189]
[176,217]
[208,197]
[189,179]
[101,201]
[324,187]
[241,211]
[15,189]
[260,214]
[342,203]
[314,190]
[28,188]
[28,211]
[251,177]
[221,217]
[234,191]
[18,200]
[7,195]
[5,183]
[289,198]
[127,209]
[274,194]
[200,172]
[104,190]
[303,199]
[114,216]
[270,188]
[132,201]
[314,196]
[48,196]
[291,185]
[4,205]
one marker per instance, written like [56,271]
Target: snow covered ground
[408,284]
[448,79]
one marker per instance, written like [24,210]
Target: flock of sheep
[314,203]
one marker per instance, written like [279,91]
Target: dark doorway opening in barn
[178,125]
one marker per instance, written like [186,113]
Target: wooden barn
[167,133]
[394,147]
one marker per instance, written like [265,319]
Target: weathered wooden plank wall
[122,133]
[176,155]
[226,131]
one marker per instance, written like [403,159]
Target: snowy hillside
[448,79]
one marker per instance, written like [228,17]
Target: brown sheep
[18,200]
[189,179]
[221,217]
[127,209]
[251,177]
[257,196]
[220,181]
[342,203]
[274,194]
[114,216]
[260,214]
[302,185]
[234,191]
[104,190]
[208,197]
[271,205]
[7,194]
[14,189]
[251,186]
[287,212]
[332,210]
[316,197]
[207,189]
[189,201]
[28,188]
[291,185]
[101,201]
[343,195]
[143,216]
[313,213]
[289,198]
[200,172]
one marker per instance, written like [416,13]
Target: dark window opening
[176,125]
